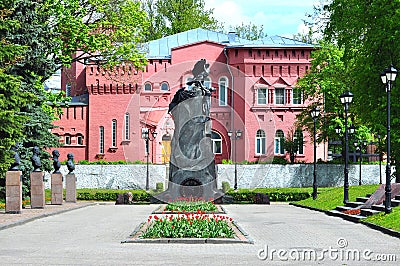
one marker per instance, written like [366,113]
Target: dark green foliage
[279,160]
[159,187]
[111,195]
[248,196]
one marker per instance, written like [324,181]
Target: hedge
[282,196]
[111,195]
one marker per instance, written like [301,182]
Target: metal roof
[161,48]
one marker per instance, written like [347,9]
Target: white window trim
[216,140]
[68,137]
[284,95]
[262,147]
[226,91]
[209,81]
[266,95]
[301,97]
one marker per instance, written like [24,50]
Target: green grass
[390,220]
[329,198]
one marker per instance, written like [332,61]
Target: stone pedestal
[56,189]
[13,192]
[70,188]
[37,190]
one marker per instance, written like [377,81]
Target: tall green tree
[174,16]
[367,31]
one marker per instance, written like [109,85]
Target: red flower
[150,217]
[230,219]
[156,217]
[190,223]
[172,227]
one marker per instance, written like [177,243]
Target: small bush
[225,161]
[279,160]
[225,186]
[111,194]
[246,195]
[159,187]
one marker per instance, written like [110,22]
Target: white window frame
[161,86]
[259,98]
[301,96]
[275,95]
[295,137]
[215,141]
[207,82]
[278,143]
[260,148]
[148,85]
[223,93]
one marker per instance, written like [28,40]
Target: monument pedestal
[37,190]
[70,188]
[13,192]
[56,189]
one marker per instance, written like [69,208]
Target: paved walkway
[92,236]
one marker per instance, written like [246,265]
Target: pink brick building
[255,93]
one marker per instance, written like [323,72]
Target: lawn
[391,220]
[329,198]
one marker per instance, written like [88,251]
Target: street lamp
[380,158]
[359,147]
[346,98]
[314,114]
[146,135]
[238,135]
[388,77]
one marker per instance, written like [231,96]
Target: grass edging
[347,218]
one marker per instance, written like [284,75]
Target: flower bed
[191,206]
[189,225]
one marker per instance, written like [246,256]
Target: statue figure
[56,162]
[17,160]
[200,72]
[70,163]
[35,159]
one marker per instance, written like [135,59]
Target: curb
[370,225]
[27,220]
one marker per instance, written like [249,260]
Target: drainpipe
[233,147]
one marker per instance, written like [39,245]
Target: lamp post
[238,135]
[346,98]
[360,145]
[380,159]
[314,114]
[388,77]
[146,133]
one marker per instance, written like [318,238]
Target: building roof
[161,48]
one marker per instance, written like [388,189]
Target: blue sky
[279,17]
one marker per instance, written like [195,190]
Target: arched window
[101,140]
[223,91]
[164,86]
[67,140]
[260,142]
[216,142]
[279,139]
[298,137]
[148,87]
[114,133]
[127,122]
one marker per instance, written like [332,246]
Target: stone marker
[13,192]
[56,189]
[70,180]
[56,180]
[70,188]
[37,190]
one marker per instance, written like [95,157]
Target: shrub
[225,161]
[225,186]
[245,195]
[111,194]
[279,160]
[159,187]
